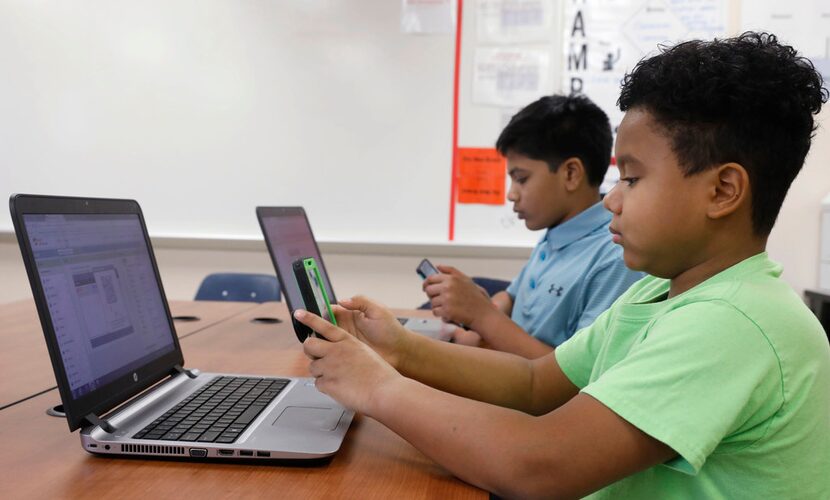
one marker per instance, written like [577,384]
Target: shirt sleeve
[703,373]
[577,355]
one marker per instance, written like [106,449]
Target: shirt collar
[577,227]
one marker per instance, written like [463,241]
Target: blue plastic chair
[492,285]
[239,287]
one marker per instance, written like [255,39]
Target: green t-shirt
[734,375]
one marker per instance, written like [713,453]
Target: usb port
[263,453]
[246,453]
[226,453]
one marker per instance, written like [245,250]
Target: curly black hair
[747,99]
[557,127]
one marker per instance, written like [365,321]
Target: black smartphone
[426,269]
[313,292]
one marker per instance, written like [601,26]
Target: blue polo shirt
[575,273]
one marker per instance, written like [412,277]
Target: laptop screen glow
[102,295]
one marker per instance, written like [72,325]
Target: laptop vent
[152,449]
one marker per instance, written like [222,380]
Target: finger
[316,348]
[434,290]
[341,314]
[436,297]
[449,269]
[315,369]
[435,278]
[319,325]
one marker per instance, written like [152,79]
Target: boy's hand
[345,368]
[374,325]
[455,297]
[467,337]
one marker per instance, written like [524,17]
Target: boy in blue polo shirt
[708,379]
[557,149]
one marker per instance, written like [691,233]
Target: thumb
[358,303]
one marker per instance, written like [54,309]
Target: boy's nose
[612,200]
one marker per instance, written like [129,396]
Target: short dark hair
[559,127]
[747,99]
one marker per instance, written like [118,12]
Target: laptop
[288,237]
[117,360]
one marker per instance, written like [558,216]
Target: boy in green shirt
[708,379]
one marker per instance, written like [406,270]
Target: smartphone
[426,269]
[313,292]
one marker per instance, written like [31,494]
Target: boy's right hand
[455,297]
[373,325]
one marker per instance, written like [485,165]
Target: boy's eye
[629,180]
[520,180]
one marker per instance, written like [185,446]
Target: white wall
[794,241]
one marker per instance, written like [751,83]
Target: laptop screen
[102,294]
[289,238]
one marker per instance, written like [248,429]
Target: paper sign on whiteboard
[514,21]
[481,176]
[510,76]
[428,17]
[604,39]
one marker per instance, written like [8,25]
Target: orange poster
[481,176]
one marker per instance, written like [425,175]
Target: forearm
[484,375]
[481,444]
[567,453]
[503,334]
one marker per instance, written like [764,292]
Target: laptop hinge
[179,369]
[94,420]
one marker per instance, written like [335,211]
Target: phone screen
[426,269]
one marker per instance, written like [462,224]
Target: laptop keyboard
[217,413]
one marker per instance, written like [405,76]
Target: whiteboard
[203,109]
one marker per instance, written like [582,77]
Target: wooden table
[24,360]
[41,459]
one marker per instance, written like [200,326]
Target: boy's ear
[573,172]
[729,190]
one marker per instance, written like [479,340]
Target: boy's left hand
[455,297]
[344,368]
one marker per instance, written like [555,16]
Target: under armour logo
[558,291]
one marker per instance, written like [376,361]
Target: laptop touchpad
[306,417]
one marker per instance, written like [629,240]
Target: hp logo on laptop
[135,377]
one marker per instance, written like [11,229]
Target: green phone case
[318,287]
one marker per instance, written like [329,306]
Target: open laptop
[288,237]
[117,360]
